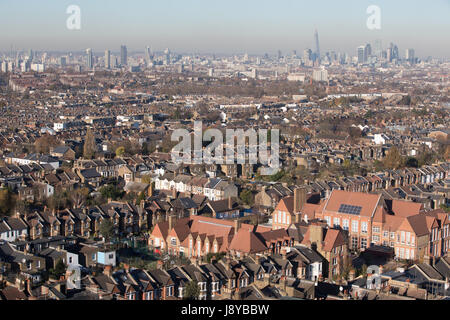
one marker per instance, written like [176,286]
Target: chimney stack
[107,270]
[230,203]
[299,199]
[237,225]
[172,221]
[316,235]
[174,193]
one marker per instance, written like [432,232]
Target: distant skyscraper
[377,48]
[63,61]
[123,56]
[320,74]
[316,38]
[148,54]
[367,52]
[361,54]
[108,59]
[409,55]
[90,59]
[279,54]
[392,52]
[307,55]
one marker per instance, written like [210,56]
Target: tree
[79,196]
[412,162]
[106,228]
[90,145]
[192,291]
[247,197]
[120,151]
[394,159]
[7,202]
[110,192]
[59,270]
[45,143]
[146,179]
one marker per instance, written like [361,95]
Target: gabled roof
[247,241]
[333,238]
[367,202]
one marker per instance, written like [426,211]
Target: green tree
[120,151]
[58,271]
[147,179]
[247,197]
[106,229]
[192,291]
[90,145]
[110,192]
[412,162]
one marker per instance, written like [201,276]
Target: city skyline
[255,28]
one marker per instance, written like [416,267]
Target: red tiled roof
[368,202]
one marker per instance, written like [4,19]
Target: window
[354,226]
[70,259]
[284,217]
[363,243]
[376,229]
[93,256]
[111,256]
[173,241]
[334,261]
[336,222]
[402,236]
[392,235]
[386,234]
[355,242]
[408,237]
[328,219]
[364,227]
[375,238]
[345,224]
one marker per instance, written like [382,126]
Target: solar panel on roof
[349,209]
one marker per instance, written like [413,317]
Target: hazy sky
[225,26]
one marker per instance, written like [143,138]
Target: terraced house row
[85,222]
[228,278]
